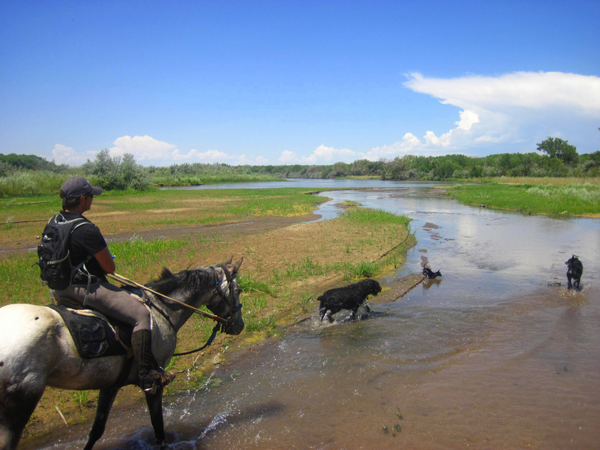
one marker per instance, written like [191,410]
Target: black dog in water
[574,272]
[347,297]
[430,273]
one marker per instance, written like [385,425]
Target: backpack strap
[78,222]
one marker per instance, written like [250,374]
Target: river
[492,355]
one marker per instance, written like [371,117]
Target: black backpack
[53,252]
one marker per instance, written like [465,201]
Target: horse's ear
[166,273]
[236,266]
[229,260]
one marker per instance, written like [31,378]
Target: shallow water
[489,356]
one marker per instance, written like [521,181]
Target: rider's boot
[150,375]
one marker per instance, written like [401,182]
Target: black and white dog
[574,271]
[347,297]
[430,273]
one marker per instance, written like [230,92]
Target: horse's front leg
[154,402]
[105,401]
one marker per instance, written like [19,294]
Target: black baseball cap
[78,186]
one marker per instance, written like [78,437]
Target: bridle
[228,299]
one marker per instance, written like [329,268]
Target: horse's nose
[234,327]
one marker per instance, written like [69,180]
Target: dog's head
[374,287]
[572,261]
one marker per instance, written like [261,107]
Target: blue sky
[286,82]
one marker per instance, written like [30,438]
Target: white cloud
[467,120]
[209,156]
[61,154]
[321,155]
[143,148]
[514,110]
[531,90]
[287,156]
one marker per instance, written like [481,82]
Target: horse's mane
[196,279]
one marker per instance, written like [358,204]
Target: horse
[37,350]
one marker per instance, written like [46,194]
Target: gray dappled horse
[37,350]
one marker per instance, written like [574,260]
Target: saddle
[94,334]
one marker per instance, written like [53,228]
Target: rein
[124,280]
[212,337]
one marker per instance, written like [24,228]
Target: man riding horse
[90,287]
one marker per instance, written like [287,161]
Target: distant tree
[134,176]
[31,162]
[558,148]
[117,173]
[5,169]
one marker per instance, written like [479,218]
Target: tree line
[555,158]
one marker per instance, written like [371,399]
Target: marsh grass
[550,198]
[545,181]
[31,183]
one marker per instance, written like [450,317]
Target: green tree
[558,148]
[117,173]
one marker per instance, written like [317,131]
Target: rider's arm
[105,260]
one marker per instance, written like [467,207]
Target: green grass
[552,199]
[249,284]
[373,216]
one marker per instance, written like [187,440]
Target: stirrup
[156,379]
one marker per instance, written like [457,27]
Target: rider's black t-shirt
[86,240]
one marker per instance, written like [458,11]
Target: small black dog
[347,297]
[430,273]
[574,272]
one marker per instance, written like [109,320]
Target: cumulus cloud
[530,90]
[209,156]
[321,155]
[143,148]
[512,109]
[61,154]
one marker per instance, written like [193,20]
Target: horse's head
[216,287]
[227,304]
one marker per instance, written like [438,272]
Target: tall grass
[26,183]
[545,181]
[29,183]
[373,216]
[553,199]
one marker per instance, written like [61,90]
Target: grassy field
[114,211]
[552,196]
